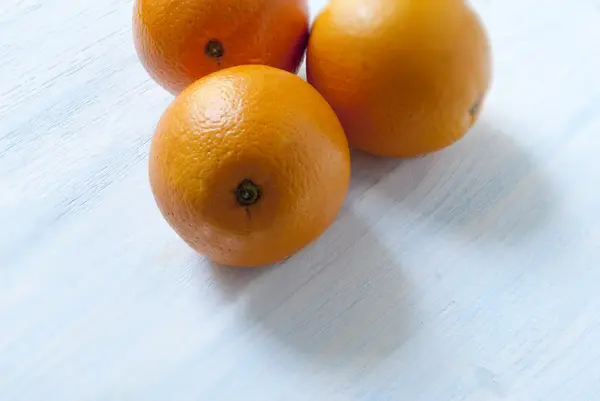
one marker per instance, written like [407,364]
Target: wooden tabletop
[470,274]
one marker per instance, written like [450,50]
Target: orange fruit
[249,165]
[406,77]
[180,41]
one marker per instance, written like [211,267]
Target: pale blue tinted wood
[471,274]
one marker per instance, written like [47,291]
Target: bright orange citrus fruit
[180,41]
[249,165]
[406,77]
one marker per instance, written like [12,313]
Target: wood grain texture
[471,274]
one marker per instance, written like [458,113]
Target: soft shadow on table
[484,187]
[348,310]
[368,171]
[344,302]
[233,281]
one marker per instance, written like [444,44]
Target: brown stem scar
[214,49]
[475,107]
[247,193]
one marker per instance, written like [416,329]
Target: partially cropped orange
[249,165]
[406,77]
[180,41]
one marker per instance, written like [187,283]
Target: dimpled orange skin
[406,77]
[171,36]
[258,124]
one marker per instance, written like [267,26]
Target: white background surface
[471,274]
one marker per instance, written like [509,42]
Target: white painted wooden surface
[471,274]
